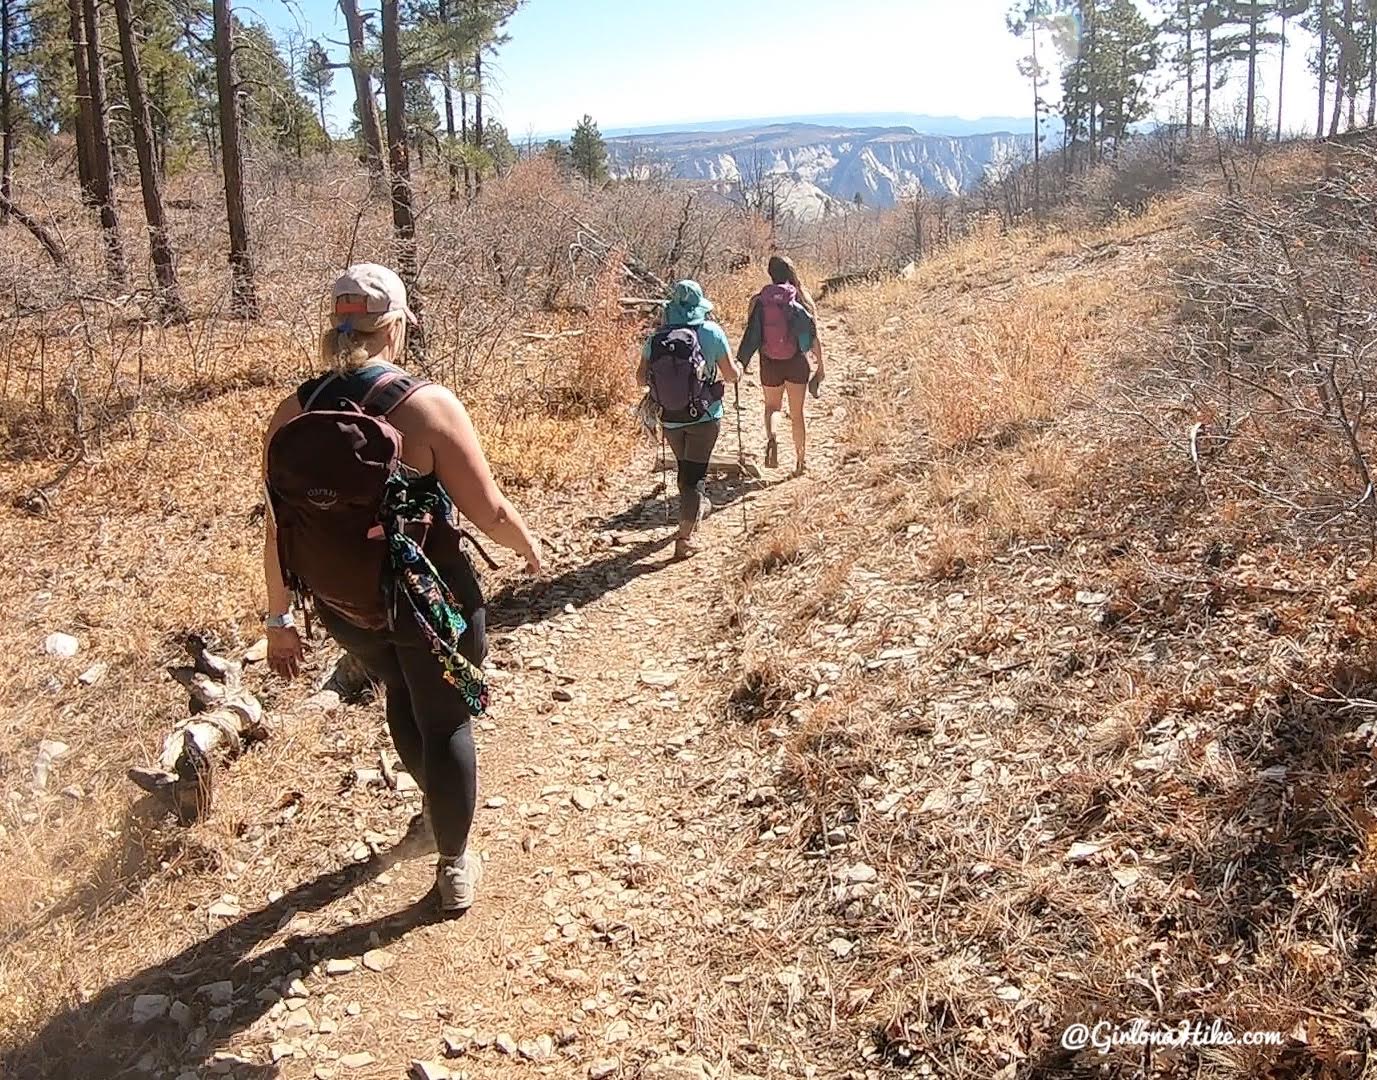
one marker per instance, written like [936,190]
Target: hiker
[782,326]
[685,365]
[365,466]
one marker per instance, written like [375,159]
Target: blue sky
[634,62]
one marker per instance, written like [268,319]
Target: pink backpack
[776,315]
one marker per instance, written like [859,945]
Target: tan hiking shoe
[456,880]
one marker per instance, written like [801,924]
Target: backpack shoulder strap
[388,391]
[310,390]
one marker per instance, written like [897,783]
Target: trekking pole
[740,454]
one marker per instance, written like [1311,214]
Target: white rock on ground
[63,646]
[149,1007]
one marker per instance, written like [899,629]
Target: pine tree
[403,212]
[422,118]
[1318,22]
[1031,18]
[587,151]
[103,163]
[1110,49]
[1245,37]
[1287,10]
[365,105]
[243,291]
[170,304]
[1183,23]
[557,152]
[317,74]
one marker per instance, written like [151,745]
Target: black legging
[427,716]
[692,448]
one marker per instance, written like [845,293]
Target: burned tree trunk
[85,139]
[403,213]
[104,170]
[170,305]
[364,103]
[245,298]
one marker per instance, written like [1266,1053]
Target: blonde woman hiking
[782,327]
[365,466]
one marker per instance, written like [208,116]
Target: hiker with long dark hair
[685,365]
[782,326]
[365,467]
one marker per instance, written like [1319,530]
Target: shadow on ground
[96,1038]
[532,601]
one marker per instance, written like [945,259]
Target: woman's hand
[285,651]
[535,563]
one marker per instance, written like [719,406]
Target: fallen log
[225,720]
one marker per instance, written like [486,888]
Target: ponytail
[351,341]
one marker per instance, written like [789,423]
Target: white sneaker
[456,880]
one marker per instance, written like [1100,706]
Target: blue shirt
[712,339]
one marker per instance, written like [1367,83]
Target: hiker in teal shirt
[692,440]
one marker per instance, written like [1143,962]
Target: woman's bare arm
[464,471]
[285,648]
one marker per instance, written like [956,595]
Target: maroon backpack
[778,341]
[327,472]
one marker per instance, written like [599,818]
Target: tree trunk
[1250,119]
[464,136]
[446,80]
[1037,123]
[85,138]
[320,101]
[160,247]
[160,133]
[1205,123]
[1341,69]
[365,104]
[104,168]
[245,298]
[478,112]
[1372,67]
[1281,76]
[6,112]
[403,216]
[1323,57]
[1190,74]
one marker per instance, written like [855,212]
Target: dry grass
[1069,743]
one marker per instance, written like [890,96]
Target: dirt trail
[598,870]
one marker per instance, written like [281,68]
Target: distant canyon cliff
[811,168]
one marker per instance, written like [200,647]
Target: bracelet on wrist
[284,621]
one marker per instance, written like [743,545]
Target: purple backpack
[677,375]
[776,322]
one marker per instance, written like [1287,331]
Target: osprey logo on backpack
[322,498]
[677,376]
